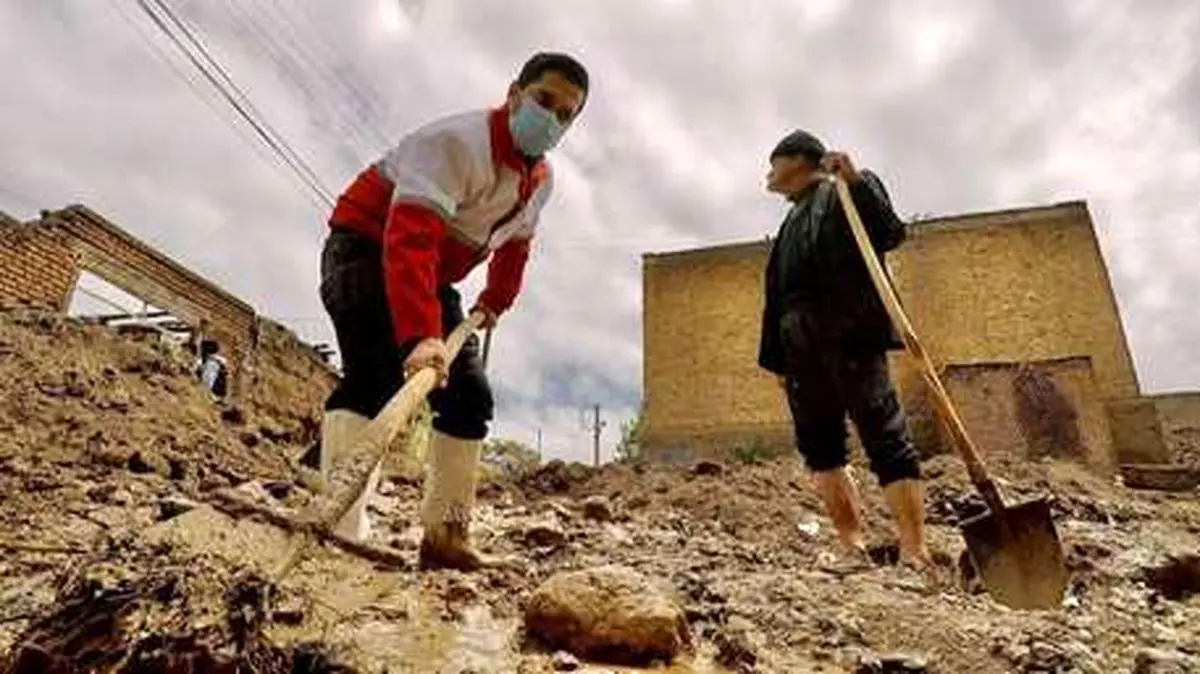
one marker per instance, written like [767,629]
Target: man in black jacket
[826,334]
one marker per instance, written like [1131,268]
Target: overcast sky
[960,106]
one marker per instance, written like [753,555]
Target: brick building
[41,262]
[1015,307]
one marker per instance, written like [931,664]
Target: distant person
[458,191]
[212,371]
[826,334]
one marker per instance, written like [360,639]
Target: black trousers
[827,380]
[353,292]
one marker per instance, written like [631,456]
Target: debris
[144,461]
[174,506]
[1176,578]
[890,664]
[565,662]
[1155,661]
[152,623]
[598,508]
[740,549]
[1160,478]
[545,533]
[609,613]
[737,645]
[710,468]
[809,529]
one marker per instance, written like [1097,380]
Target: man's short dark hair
[209,347]
[800,143]
[563,64]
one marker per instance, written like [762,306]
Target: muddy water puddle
[407,631]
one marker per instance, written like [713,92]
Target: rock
[564,662]
[145,462]
[711,468]
[120,497]
[233,415]
[890,664]
[101,492]
[278,489]
[609,613]
[113,457]
[174,506]
[1154,661]
[1176,578]
[177,467]
[42,483]
[598,508]
[249,438]
[547,533]
[560,510]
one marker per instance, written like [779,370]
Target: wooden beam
[1164,477]
[108,318]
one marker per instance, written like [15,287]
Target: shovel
[1015,549]
[369,449]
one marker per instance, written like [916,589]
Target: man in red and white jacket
[451,195]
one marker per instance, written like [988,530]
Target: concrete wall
[41,261]
[1002,287]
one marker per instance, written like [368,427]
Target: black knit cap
[800,143]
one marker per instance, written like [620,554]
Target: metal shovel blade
[1018,556]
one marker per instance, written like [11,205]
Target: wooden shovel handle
[377,438]
[945,408]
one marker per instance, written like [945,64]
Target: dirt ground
[108,448]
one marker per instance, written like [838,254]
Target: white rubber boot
[339,430]
[449,498]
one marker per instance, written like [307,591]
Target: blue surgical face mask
[535,130]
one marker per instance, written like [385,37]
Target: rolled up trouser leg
[449,488]
[875,409]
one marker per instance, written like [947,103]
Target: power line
[264,131]
[273,138]
[350,109]
[276,161]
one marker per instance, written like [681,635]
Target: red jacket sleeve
[505,271]
[411,242]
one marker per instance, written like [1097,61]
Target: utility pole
[595,426]
[539,444]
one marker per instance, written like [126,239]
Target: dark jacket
[830,280]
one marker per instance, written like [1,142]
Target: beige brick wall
[1011,286]
[1137,432]
[1179,420]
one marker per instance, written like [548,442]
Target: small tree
[510,456]
[629,447]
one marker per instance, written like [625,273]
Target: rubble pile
[133,608]
[110,455]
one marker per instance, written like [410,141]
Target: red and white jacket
[449,196]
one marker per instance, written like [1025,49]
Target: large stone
[609,613]
[1153,661]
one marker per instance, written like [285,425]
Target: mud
[108,452]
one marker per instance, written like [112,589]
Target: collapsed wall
[41,262]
